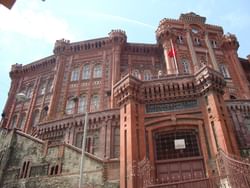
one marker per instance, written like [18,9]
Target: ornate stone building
[158,113]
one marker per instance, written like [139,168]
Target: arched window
[185,65]
[22,120]
[14,122]
[42,88]
[94,103]
[70,106]
[97,71]
[136,73]
[86,72]
[82,104]
[224,70]
[75,75]
[147,75]
[35,118]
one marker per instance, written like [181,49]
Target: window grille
[165,145]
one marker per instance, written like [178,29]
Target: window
[197,41]
[54,170]
[25,169]
[116,142]
[89,144]
[44,113]
[50,85]
[185,65]
[78,141]
[82,105]
[97,71]
[195,30]
[224,71]
[42,88]
[214,43]
[203,60]
[75,75]
[180,39]
[22,121]
[147,75]
[94,103]
[136,74]
[166,148]
[29,92]
[70,106]
[14,121]
[86,72]
[35,118]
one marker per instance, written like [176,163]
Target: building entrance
[178,156]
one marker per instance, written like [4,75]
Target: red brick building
[170,105]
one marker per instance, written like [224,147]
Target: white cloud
[34,23]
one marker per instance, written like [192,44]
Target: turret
[230,42]
[61,46]
[118,36]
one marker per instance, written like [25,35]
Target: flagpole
[175,62]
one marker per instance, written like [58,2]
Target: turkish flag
[172,53]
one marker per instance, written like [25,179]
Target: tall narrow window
[42,88]
[86,72]
[44,113]
[95,103]
[70,106]
[116,142]
[224,71]
[88,146]
[22,120]
[185,65]
[214,43]
[147,75]
[14,122]
[35,118]
[29,92]
[50,85]
[75,75]
[180,39]
[78,141]
[82,105]
[136,74]
[197,41]
[97,71]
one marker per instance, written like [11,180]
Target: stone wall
[27,162]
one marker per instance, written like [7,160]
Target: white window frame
[136,73]
[86,72]
[82,104]
[147,75]
[75,74]
[224,71]
[95,100]
[97,71]
[70,106]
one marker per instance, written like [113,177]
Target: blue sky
[28,31]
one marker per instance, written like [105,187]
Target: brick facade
[143,100]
